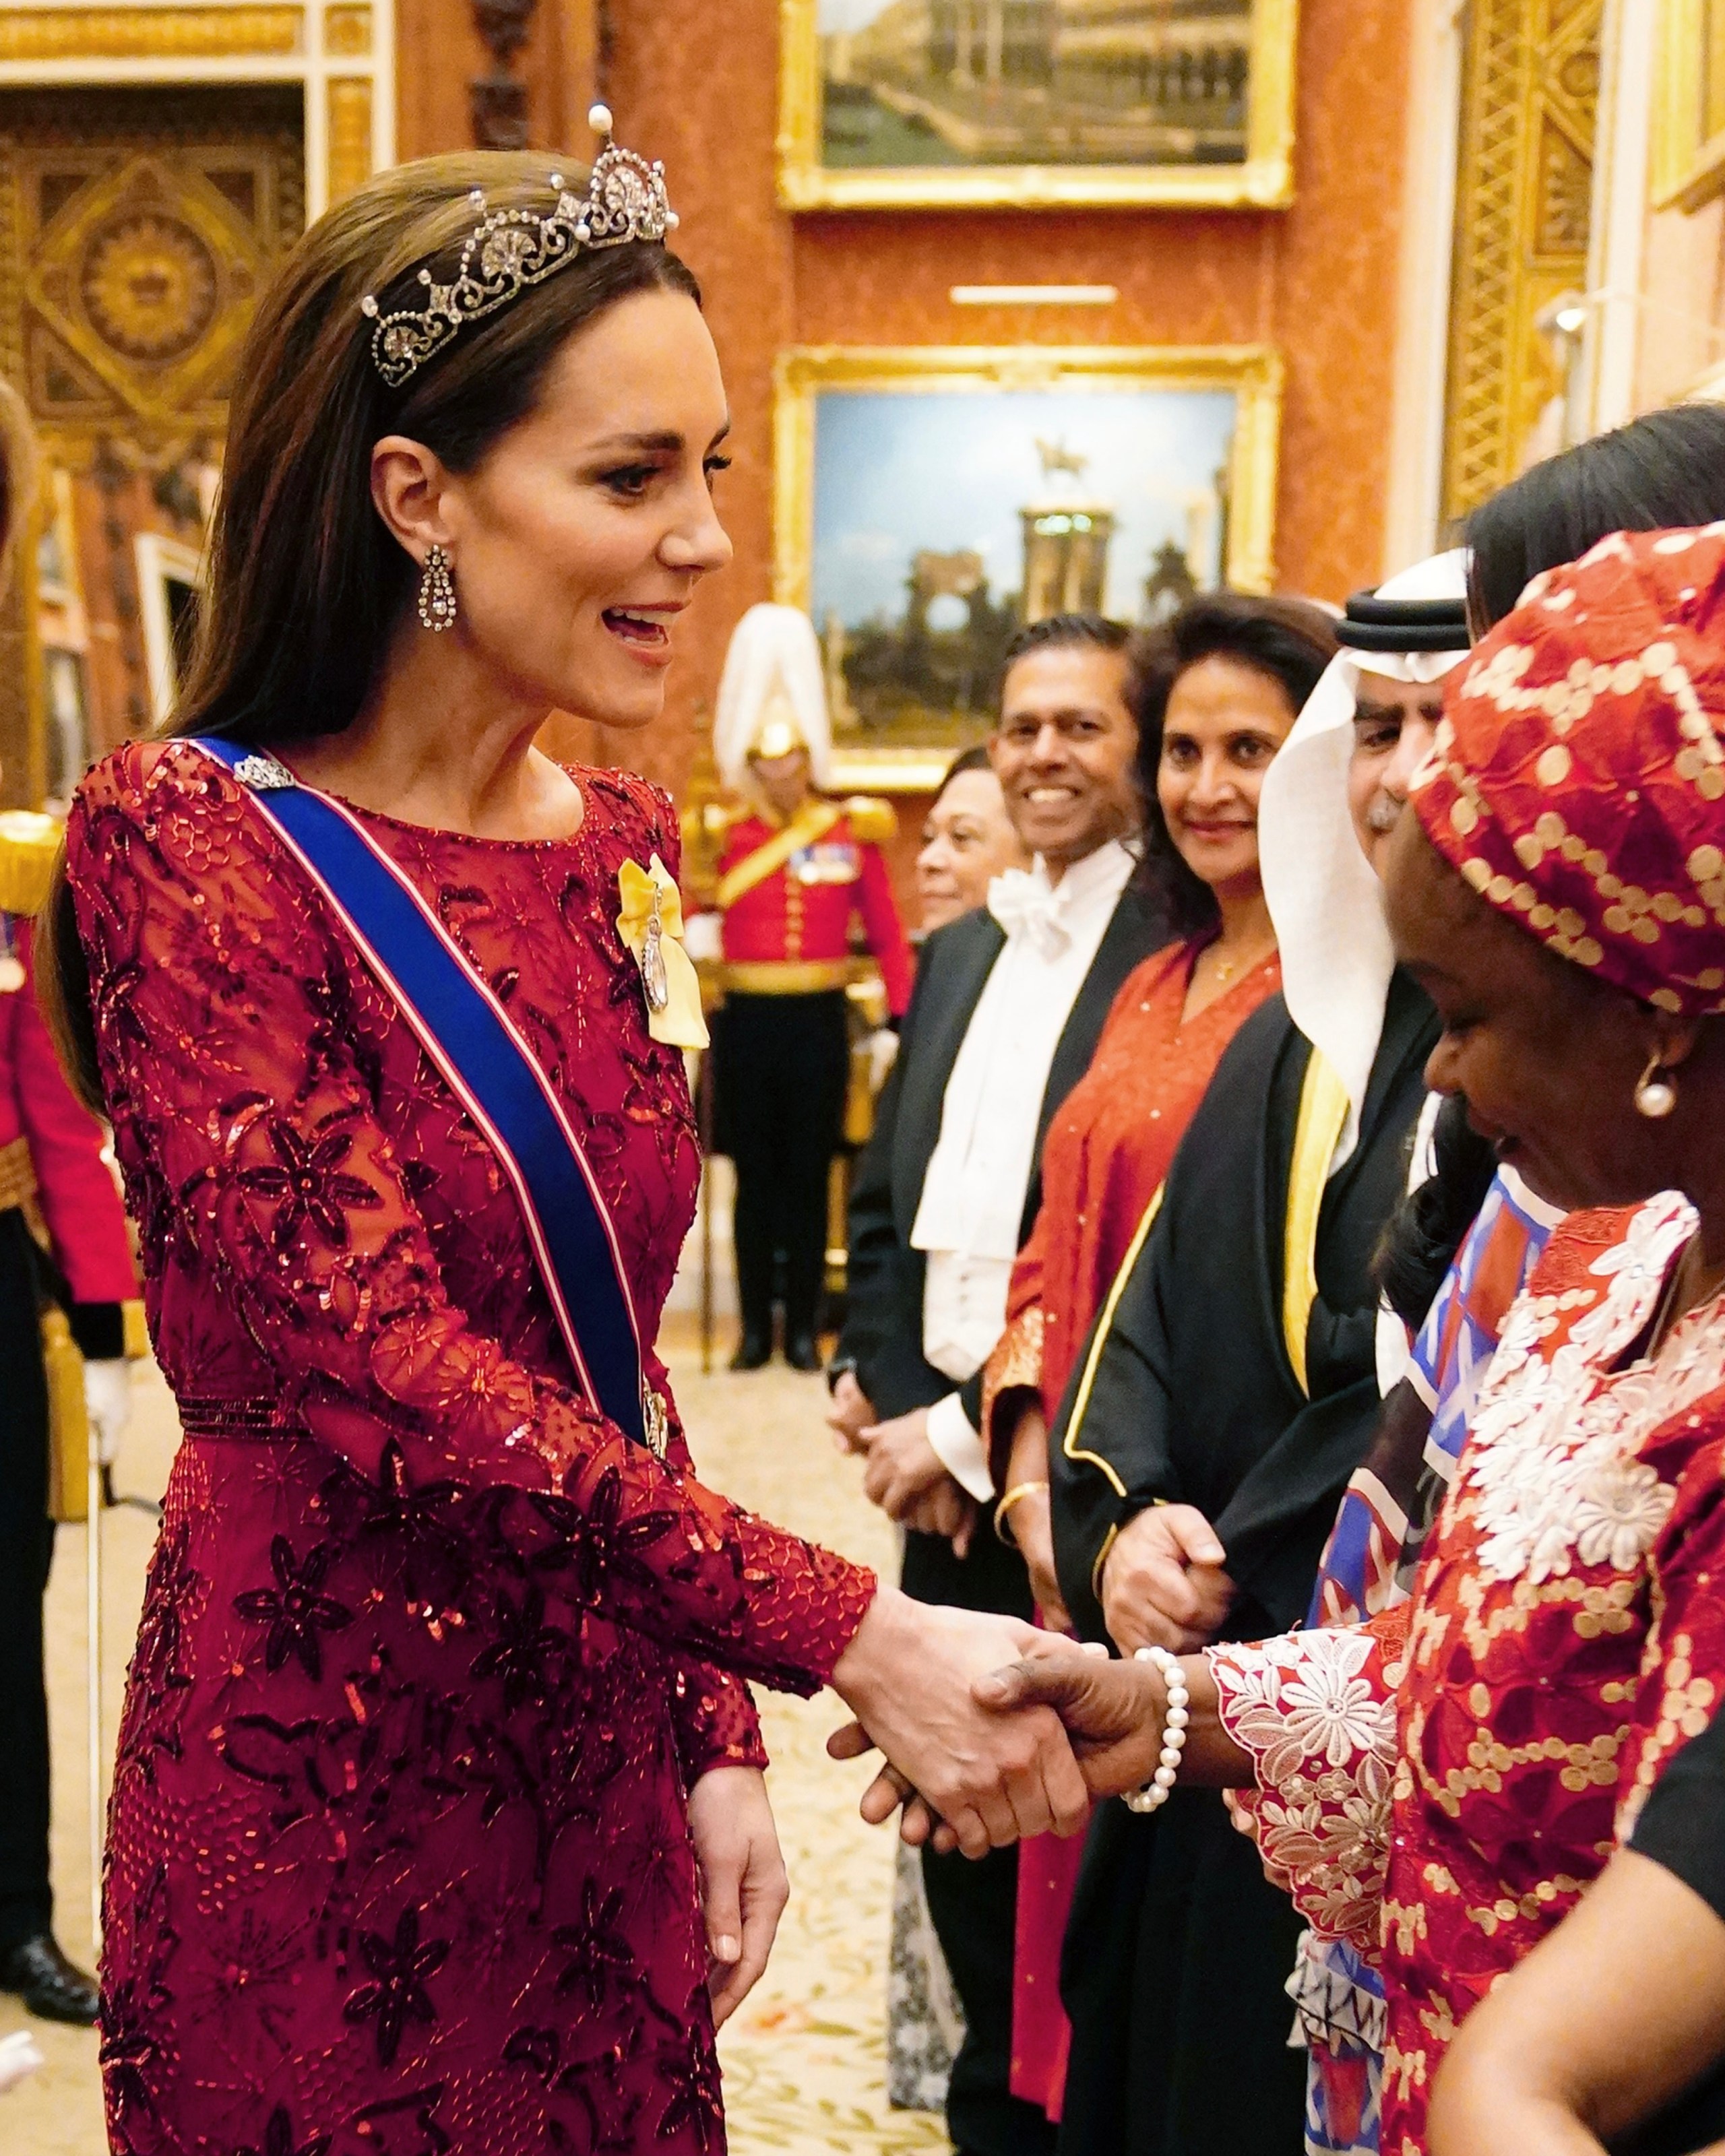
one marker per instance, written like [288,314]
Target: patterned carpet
[803,2059]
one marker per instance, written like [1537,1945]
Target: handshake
[991,1731]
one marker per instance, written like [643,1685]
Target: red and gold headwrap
[1577,778]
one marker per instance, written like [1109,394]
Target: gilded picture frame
[1688,145]
[906,482]
[1193,109]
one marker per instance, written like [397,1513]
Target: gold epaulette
[29,843]
[708,821]
[873,822]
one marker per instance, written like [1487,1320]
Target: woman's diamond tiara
[509,250]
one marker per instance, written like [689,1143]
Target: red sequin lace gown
[430,1654]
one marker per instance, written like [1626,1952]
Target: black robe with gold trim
[1233,1369]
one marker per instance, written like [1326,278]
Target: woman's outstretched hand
[1112,1712]
[910,1675]
[743,1887]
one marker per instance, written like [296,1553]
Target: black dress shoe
[801,1352]
[755,1353]
[50,1987]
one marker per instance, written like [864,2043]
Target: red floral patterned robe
[430,1654]
[1439,1786]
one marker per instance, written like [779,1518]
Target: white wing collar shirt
[973,1194]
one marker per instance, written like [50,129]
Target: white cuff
[958,1448]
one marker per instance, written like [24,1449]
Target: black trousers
[782,1063]
[973,1907]
[26,1551]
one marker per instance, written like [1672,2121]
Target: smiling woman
[439,1792]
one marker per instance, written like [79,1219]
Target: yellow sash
[812,822]
[1323,1114]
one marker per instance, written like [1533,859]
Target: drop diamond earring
[1656,1093]
[436,593]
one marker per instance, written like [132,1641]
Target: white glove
[883,1054]
[19,2055]
[107,1399]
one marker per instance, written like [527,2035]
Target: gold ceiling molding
[148,33]
[1523,206]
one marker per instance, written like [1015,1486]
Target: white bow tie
[1023,905]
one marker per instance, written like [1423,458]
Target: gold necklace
[1225,969]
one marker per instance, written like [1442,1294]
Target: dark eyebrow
[1366,713]
[668,443]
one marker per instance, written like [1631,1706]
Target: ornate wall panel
[136,228]
[1524,201]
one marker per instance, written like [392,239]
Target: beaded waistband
[259,1420]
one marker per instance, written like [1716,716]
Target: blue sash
[491,1070]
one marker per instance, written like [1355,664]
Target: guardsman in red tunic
[795,870]
[62,1236]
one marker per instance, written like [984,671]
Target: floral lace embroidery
[1323,1733]
[1550,1472]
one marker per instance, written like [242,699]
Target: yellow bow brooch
[651,925]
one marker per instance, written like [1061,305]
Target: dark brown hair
[1666,469]
[967,759]
[306,583]
[1289,641]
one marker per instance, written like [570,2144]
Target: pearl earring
[1656,1095]
[436,593]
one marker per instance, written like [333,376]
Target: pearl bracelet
[1155,1791]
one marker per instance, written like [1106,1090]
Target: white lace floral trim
[1323,1732]
[1550,1472]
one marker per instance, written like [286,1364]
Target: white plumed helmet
[773,696]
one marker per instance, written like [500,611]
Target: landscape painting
[929,513]
[1023,101]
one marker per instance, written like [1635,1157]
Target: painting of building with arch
[938,514]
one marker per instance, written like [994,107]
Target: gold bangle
[1018,1490]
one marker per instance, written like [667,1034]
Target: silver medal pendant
[12,975]
[656,1421]
[653,978]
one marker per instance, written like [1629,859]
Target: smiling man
[1008,1006]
